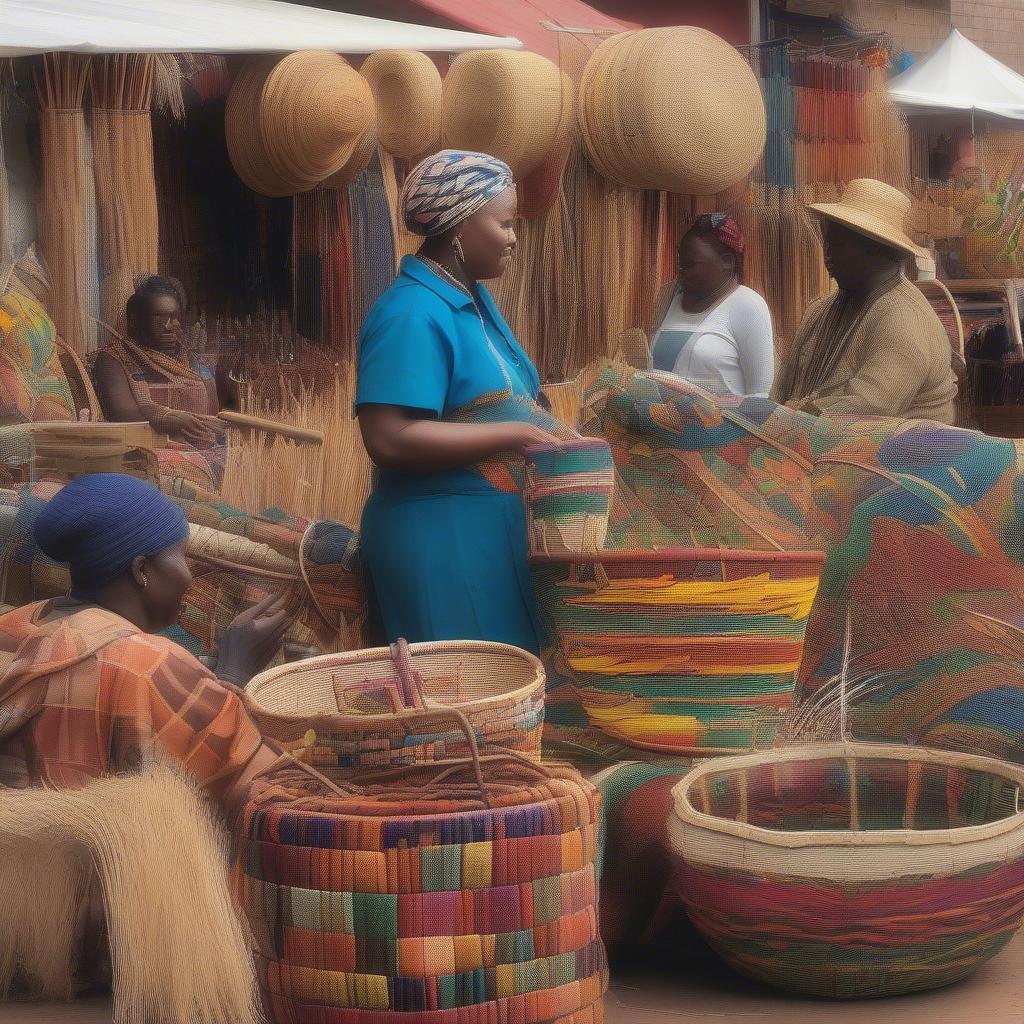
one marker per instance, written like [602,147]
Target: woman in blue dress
[446,550]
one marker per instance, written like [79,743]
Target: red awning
[535,22]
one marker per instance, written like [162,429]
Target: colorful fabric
[84,693]
[176,386]
[99,524]
[445,189]
[722,227]
[33,386]
[446,551]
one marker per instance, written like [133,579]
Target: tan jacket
[896,362]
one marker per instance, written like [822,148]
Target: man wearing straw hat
[873,347]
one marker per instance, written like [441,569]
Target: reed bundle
[64,228]
[122,146]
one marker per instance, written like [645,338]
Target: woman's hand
[196,429]
[252,639]
[526,435]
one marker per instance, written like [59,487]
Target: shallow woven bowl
[688,651]
[507,103]
[852,869]
[671,108]
[337,710]
[407,87]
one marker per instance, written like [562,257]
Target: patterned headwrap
[100,523]
[445,189]
[724,228]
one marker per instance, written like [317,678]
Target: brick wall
[917,25]
[997,26]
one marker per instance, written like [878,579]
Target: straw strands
[122,145]
[60,81]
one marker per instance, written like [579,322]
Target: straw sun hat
[875,209]
[407,87]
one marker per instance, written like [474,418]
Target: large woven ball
[676,109]
[510,104]
[407,87]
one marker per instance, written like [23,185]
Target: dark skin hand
[404,440]
[149,596]
[161,332]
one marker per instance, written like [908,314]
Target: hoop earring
[457,246]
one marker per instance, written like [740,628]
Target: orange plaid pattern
[84,693]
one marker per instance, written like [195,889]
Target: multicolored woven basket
[852,869]
[339,710]
[682,651]
[456,894]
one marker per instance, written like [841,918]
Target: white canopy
[960,76]
[212,26]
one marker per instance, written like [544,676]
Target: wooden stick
[243,421]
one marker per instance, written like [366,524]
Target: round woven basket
[852,869]
[688,651]
[676,109]
[357,162]
[465,893]
[314,111]
[538,190]
[407,87]
[245,143]
[507,103]
[340,710]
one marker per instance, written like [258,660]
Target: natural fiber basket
[509,104]
[457,894]
[407,87]
[852,869]
[688,651]
[62,450]
[676,109]
[342,710]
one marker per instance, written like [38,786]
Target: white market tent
[960,76]
[212,26]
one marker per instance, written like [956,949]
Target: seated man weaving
[873,347]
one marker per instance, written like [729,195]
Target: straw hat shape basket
[676,109]
[510,104]
[456,894]
[344,710]
[852,869]
[293,122]
[407,87]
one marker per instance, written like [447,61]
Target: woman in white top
[709,328]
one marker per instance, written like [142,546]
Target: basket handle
[411,680]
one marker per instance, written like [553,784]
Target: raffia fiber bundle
[149,847]
[63,229]
[122,146]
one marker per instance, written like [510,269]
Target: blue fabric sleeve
[404,359]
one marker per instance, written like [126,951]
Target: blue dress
[446,551]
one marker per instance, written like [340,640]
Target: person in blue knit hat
[87,689]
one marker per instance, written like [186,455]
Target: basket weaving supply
[673,109]
[509,104]
[463,894]
[685,651]
[337,711]
[407,88]
[852,869]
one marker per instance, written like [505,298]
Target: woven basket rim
[685,555]
[687,814]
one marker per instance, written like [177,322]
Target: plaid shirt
[84,693]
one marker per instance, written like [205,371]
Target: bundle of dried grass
[148,846]
[60,80]
[122,146]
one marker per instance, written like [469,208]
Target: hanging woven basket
[852,869]
[673,109]
[340,710]
[465,892]
[510,104]
[407,87]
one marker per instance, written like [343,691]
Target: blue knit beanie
[100,523]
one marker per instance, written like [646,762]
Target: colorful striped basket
[568,493]
[689,651]
[456,894]
[852,869]
[339,710]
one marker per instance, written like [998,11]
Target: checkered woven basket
[462,893]
[339,710]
